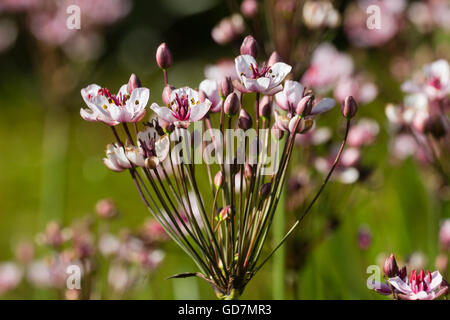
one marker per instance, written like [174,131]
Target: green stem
[279,258]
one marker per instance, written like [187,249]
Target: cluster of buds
[129,257]
[420,285]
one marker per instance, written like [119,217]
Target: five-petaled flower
[151,149]
[265,79]
[114,109]
[184,108]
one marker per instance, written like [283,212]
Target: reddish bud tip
[163,56]
[232,104]
[349,107]
[265,107]
[390,267]
[305,105]
[218,179]
[133,83]
[245,121]
[249,46]
[226,87]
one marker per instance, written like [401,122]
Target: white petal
[279,70]
[243,64]
[163,112]
[162,147]
[323,106]
[400,285]
[91,90]
[199,111]
[436,280]
[256,85]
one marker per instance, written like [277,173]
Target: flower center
[258,73]
[436,83]
[118,101]
[417,281]
[148,149]
[181,107]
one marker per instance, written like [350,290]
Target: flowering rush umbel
[223,228]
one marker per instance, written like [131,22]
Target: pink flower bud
[274,58]
[265,107]
[249,8]
[390,267]
[277,132]
[304,106]
[248,171]
[133,83]
[166,126]
[264,191]
[218,179]
[249,46]
[167,93]
[225,213]
[245,121]
[232,104]
[349,107]
[163,56]
[226,87]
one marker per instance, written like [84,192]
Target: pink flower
[264,79]
[113,109]
[363,133]
[228,29]
[184,108]
[291,95]
[419,286]
[327,66]
[10,276]
[222,69]
[436,82]
[358,87]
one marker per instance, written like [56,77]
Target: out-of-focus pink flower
[318,14]
[264,79]
[222,69]
[106,208]
[10,276]
[444,235]
[185,107]
[108,244]
[355,22]
[114,109]
[404,146]
[24,252]
[364,238]
[421,286]
[436,81]
[116,159]
[17,5]
[315,136]
[327,66]
[363,133]
[228,29]
[249,8]
[360,88]
[343,174]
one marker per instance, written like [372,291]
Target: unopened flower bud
[265,107]
[274,58]
[225,213]
[218,179]
[264,191]
[390,267]
[349,107]
[444,235]
[441,262]
[402,272]
[163,56]
[232,104]
[304,106]
[248,171]
[226,87]
[168,127]
[245,121]
[277,132]
[249,46]
[167,93]
[133,83]
[435,126]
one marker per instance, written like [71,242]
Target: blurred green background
[52,169]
